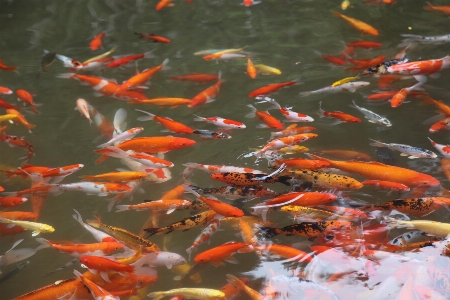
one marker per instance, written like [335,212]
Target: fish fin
[404,154]
[104,275]
[412,157]
[102,194]
[336,122]
[35,233]
[377,143]
[119,120]
[232,260]
[251,114]
[262,126]
[435,75]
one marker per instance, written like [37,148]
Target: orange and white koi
[357,24]
[346,87]
[68,62]
[340,116]
[286,141]
[443,124]
[117,176]
[15,141]
[292,130]
[248,3]
[148,160]
[246,179]
[443,149]
[20,119]
[266,117]
[27,97]
[221,122]
[5,90]
[57,174]
[129,58]
[137,81]
[94,64]
[205,235]
[291,116]
[208,95]
[218,169]
[105,87]
[97,42]
[102,123]
[420,67]
[126,135]
[100,189]
[83,108]
[170,124]
[272,88]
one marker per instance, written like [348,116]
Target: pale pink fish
[221,122]
[83,108]
[444,149]
[291,116]
[162,258]
[206,234]
[91,188]
[126,135]
[98,235]
[148,160]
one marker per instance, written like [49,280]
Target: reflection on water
[291,36]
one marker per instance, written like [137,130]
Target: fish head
[179,143]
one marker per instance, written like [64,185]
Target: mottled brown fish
[185,224]
[416,206]
[236,192]
[325,180]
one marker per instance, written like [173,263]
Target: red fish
[27,97]
[207,95]
[129,58]
[364,44]
[155,38]
[96,42]
[7,68]
[264,116]
[271,88]
[335,60]
[196,77]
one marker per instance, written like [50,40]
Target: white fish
[346,87]
[371,116]
[406,150]
[83,108]
[126,135]
[290,115]
[437,39]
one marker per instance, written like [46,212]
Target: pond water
[288,35]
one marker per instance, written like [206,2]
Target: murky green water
[288,35]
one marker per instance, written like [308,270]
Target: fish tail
[101,159]
[304,94]
[235,282]
[198,118]
[149,116]
[429,7]
[151,231]
[269,232]
[251,114]
[377,143]
[156,295]
[321,111]
[164,65]
[141,36]
[121,208]
[149,54]
[336,13]
[65,75]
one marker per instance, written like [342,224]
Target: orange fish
[11,201]
[18,215]
[251,70]
[7,68]
[26,97]
[116,176]
[5,90]
[96,42]
[207,95]
[344,154]
[120,61]
[155,38]
[15,141]
[161,102]
[144,76]
[444,9]
[170,124]
[285,252]
[163,4]
[357,24]
[196,77]
[272,88]
[393,186]
[264,116]
[224,252]
[219,207]
[301,163]
[21,119]
[376,170]
[364,44]
[77,250]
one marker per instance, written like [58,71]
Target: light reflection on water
[288,35]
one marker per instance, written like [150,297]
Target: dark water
[288,35]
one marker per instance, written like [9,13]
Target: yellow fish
[430,227]
[266,70]
[345,80]
[190,293]
[8,118]
[36,227]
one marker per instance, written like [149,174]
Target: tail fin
[377,143]
[269,232]
[304,94]
[164,65]
[121,208]
[149,54]
[151,231]
[119,120]
[198,118]
[146,118]
[321,111]
[251,114]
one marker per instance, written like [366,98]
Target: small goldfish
[97,42]
[153,37]
[35,227]
[266,70]
[357,24]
